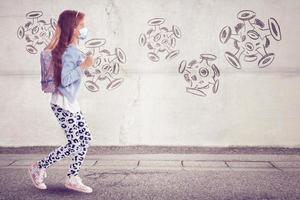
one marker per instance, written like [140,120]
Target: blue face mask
[83,33]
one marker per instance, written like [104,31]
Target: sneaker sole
[76,189]
[29,172]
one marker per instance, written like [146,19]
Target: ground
[160,176]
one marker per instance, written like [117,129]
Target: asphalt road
[157,184]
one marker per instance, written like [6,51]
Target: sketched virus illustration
[106,65]
[200,75]
[36,31]
[251,40]
[159,40]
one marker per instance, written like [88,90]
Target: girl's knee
[74,145]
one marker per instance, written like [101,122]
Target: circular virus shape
[160,40]
[200,75]
[36,32]
[251,38]
[105,67]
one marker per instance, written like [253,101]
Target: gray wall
[252,106]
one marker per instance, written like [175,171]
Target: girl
[69,64]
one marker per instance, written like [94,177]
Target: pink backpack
[47,72]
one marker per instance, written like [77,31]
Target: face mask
[83,33]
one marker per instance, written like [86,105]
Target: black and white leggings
[78,136]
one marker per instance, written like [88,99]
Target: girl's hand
[87,62]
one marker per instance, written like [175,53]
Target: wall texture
[195,72]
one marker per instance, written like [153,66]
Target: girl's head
[67,31]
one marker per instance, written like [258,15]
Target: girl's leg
[85,138]
[67,121]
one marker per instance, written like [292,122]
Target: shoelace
[41,174]
[78,180]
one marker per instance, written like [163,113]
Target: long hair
[66,24]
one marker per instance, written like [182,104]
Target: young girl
[69,64]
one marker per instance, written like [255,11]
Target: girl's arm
[55,38]
[71,70]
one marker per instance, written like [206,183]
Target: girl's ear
[76,31]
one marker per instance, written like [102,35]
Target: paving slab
[131,163]
[247,164]
[207,169]
[103,168]
[5,162]
[115,164]
[64,162]
[286,164]
[290,169]
[255,169]
[205,164]
[160,163]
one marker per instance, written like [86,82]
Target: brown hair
[66,24]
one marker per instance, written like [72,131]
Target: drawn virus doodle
[251,40]
[200,75]
[106,65]
[160,40]
[36,31]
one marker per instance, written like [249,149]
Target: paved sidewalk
[160,176]
[168,161]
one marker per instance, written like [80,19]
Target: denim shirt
[71,72]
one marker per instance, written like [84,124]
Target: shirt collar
[73,45]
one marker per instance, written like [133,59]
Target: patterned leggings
[78,136]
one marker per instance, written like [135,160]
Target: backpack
[47,71]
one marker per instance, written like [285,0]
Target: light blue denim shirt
[71,73]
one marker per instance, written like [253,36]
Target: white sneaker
[75,183]
[37,176]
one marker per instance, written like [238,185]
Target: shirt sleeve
[71,70]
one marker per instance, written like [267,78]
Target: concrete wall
[252,106]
